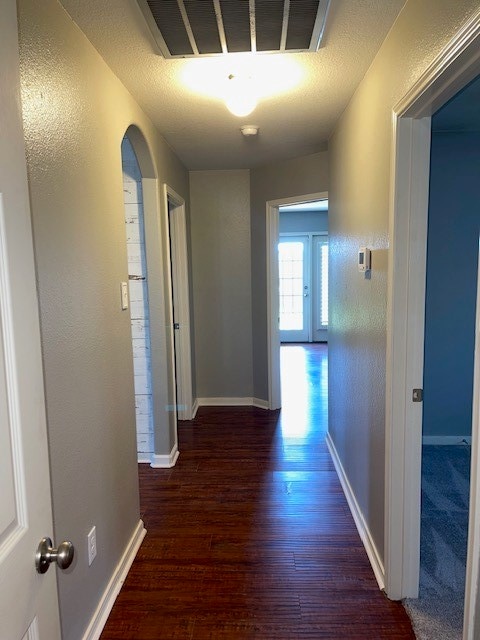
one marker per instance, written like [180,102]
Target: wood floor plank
[250,535]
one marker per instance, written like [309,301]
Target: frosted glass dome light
[240,96]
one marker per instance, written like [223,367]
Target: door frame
[163,373]
[457,64]
[273,332]
[179,286]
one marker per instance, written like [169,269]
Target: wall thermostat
[364,259]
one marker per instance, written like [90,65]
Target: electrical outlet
[92,545]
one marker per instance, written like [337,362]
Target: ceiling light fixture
[240,97]
[244,79]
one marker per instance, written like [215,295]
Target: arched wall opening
[148,254]
[139,304]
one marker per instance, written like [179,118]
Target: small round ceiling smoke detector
[249,130]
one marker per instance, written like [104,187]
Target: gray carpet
[438,612]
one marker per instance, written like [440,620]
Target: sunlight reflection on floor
[295,392]
[300,447]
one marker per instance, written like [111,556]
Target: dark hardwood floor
[250,535]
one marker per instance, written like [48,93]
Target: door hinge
[417,395]
[176,325]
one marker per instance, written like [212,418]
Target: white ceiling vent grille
[192,28]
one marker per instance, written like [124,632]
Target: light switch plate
[124,295]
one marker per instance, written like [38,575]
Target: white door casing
[28,601]
[180,300]
[273,333]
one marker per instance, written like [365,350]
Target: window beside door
[291,271]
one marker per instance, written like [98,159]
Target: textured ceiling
[199,128]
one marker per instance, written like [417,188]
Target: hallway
[250,536]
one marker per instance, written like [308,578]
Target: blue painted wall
[303,221]
[452,261]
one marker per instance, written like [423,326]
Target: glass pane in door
[291,285]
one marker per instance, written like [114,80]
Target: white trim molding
[161,329]
[232,402]
[260,404]
[360,522]
[110,594]
[404,368]
[273,331]
[273,308]
[228,402]
[176,223]
[195,408]
[165,461]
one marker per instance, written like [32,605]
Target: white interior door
[294,294]
[28,601]
[320,288]
[180,303]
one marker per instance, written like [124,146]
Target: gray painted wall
[452,263]
[306,221]
[289,178]
[75,115]
[220,236]
[359,200]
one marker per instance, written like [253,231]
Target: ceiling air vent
[193,28]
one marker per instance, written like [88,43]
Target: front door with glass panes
[303,280]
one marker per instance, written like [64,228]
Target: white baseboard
[224,402]
[144,458]
[194,408]
[362,527]
[110,594]
[261,404]
[232,402]
[165,461]
[447,440]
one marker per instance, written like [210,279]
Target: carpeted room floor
[438,612]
